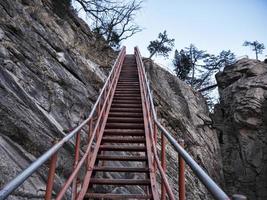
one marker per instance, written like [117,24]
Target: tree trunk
[152,54]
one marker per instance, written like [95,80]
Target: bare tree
[256,46]
[112,19]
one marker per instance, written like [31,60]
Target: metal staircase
[124,133]
[122,126]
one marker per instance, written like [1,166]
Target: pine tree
[256,46]
[161,46]
[182,64]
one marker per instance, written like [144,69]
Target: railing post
[155,134]
[51,176]
[163,164]
[181,177]
[76,160]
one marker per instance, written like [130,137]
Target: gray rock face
[241,121]
[50,75]
[185,114]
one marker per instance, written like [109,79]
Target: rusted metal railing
[183,157]
[95,123]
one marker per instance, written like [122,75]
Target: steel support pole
[51,176]
[181,177]
[76,160]
[163,164]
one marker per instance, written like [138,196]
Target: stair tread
[123,139]
[122,169]
[106,147]
[123,114]
[117,196]
[103,181]
[122,158]
[125,119]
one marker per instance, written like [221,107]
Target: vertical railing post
[163,164]
[51,176]
[76,160]
[155,135]
[90,132]
[181,177]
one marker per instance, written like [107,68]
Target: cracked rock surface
[241,121]
[50,75]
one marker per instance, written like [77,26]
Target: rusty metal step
[117,101]
[132,110]
[125,125]
[125,119]
[127,95]
[133,132]
[122,148]
[122,140]
[117,196]
[122,169]
[125,114]
[119,105]
[127,98]
[102,181]
[128,89]
[122,158]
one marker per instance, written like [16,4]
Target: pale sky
[211,25]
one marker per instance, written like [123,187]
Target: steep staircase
[123,140]
[120,159]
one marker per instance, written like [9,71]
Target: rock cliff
[241,121]
[51,69]
[185,114]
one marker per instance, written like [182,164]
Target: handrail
[214,189]
[26,173]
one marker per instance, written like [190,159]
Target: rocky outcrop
[185,114]
[241,121]
[50,75]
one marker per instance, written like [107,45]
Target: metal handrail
[214,189]
[26,173]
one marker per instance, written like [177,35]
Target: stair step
[126,98]
[102,181]
[127,95]
[128,89]
[117,196]
[122,158]
[124,105]
[122,140]
[132,110]
[124,114]
[127,101]
[127,132]
[125,125]
[122,148]
[125,119]
[122,169]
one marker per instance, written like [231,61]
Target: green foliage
[61,7]
[161,46]
[182,64]
[198,67]
[256,46]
